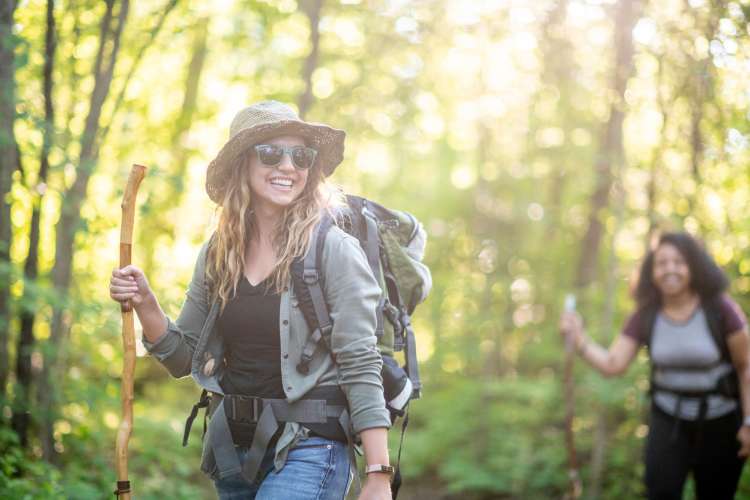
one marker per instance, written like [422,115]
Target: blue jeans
[315,469]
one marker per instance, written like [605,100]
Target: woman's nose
[671,268]
[286,163]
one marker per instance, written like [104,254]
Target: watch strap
[386,469]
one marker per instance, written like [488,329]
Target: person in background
[697,339]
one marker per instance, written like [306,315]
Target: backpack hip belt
[267,415]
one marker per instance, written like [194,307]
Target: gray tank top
[688,344]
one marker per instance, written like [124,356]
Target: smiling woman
[240,332]
[697,339]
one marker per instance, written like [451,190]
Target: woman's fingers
[568,322]
[123,288]
[127,272]
[121,297]
[122,283]
[743,436]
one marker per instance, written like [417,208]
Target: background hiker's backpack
[727,385]
[394,243]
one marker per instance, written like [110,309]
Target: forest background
[542,144]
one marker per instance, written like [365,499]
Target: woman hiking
[697,339]
[275,432]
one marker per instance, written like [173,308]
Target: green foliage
[23,477]
[484,119]
[488,437]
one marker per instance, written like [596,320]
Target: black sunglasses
[271,155]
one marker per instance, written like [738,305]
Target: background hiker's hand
[571,327]
[743,436]
[129,283]
[377,487]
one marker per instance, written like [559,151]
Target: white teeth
[282,182]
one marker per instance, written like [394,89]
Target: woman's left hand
[743,436]
[377,487]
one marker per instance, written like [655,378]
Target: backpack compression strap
[410,352]
[371,245]
[365,229]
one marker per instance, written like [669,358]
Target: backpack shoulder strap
[647,321]
[307,281]
[715,320]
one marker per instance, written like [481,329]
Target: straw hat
[263,121]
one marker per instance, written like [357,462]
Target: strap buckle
[244,408]
[310,276]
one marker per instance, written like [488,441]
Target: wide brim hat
[266,120]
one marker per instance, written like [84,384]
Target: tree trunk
[657,156]
[608,165]
[8,162]
[70,218]
[611,148]
[559,69]
[603,418]
[700,86]
[26,338]
[312,9]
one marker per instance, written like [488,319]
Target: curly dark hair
[706,277]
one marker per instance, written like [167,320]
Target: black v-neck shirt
[249,326]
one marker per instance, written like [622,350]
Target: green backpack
[394,243]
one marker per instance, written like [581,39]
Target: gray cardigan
[192,346]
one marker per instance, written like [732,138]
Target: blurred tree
[312,9]
[21,408]
[112,25]
[700,87]
[611,153]
[8,164]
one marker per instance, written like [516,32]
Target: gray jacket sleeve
[353,294]
[175,348]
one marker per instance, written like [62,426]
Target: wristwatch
[746,421]
[386,469]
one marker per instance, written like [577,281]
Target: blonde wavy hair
[226,253]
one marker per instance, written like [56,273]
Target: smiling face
[276,187]
[671,273]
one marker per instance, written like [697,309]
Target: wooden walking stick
[137,173]
[575,487]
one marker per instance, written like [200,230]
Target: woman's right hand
[571,328]
[129,283]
